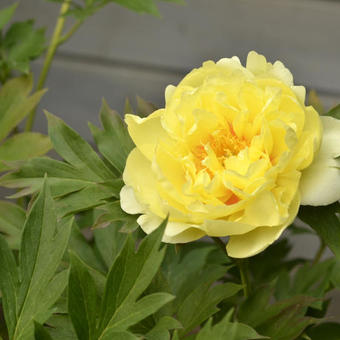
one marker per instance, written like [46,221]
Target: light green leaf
[113,335]
[23,43]
[15,103]
[76,151]
[9,282]
[23,146]
[82,300]
[114,142]
[325,222]
[161,330]
[227,330]
[12,219]
[140,6]
[6,14]
[130,275]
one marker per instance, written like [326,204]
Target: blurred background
[118,54]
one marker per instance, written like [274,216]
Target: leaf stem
[55,42]
[69,34]
[320,252]
[243,268]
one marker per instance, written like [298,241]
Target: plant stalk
[55,42]
[320,252]
[243,268]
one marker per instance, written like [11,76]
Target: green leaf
[325,222]
[161,330]
[6,14]
[113,335]
[61,327]
[82,300]
[334,112]
[310,280]
[15,103]
[202,301]
[140,6]
[23,146]
[145,108]
[227,330]
[76,151]
[42,247]
[9,281]
[130,275]
[40,333]
[109,242]
[323,331]
[23,43]
[114,142]
[12,219]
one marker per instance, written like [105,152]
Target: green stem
[69,34]
[220,243]
[55,42]
[243,268]
[320,252]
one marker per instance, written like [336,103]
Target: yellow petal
[128,201]
[221,228]
[175,232]
[252,243]
[320,182]
[146,132]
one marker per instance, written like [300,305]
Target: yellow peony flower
[227,156]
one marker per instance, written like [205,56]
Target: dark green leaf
[114,142]
[23,43]
[161,329]
[82,300]
[6,14]
[12,219]
[40,333]
[334,112]
[325,222]
[76,151]
[325,331]
[15,103]
[130,275]
[144,108]
[9,282]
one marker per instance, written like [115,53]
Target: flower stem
[243,268]
[55,42]
[220,243]
[320,252]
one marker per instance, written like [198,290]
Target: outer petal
[175,232]
[252,243]
[320,182]
[146,132]
[128,201]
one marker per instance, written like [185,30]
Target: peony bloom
[234,153]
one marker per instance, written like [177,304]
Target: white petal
[128,201]
[320,182]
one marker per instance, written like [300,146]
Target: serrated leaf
[12,219]
[15,103]
[23,43]
[325,222]
[82,300]
[227,330]
[130,275]
[76,151]
[9,282]
[114,141]
[6,14]
[23,146]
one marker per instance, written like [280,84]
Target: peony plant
[174,228]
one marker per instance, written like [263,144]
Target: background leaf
[6,14]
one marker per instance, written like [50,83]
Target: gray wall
[118,53]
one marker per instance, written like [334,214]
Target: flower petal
[320,182]
[252,243]
[128,201]
[175,232]
[146,132]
